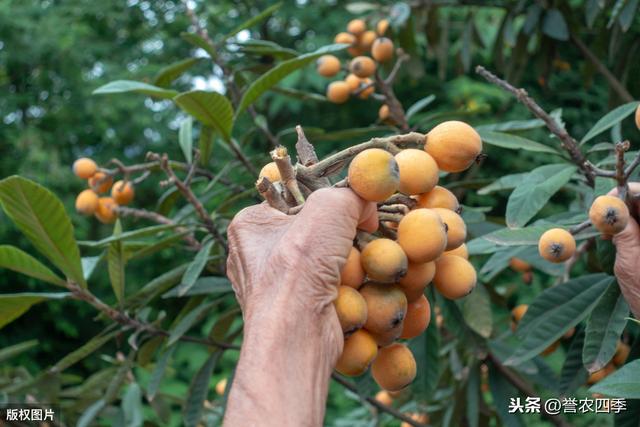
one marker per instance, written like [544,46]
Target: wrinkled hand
[627,266]
[294,261]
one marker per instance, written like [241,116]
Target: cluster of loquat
[362,67]
[89,201]
[381,293]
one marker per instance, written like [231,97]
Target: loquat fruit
[622,353]
[394,368]
[417,318]
[609,214]
[366,40]
[87,202]
[353,81]
[382,26]
[384,261]
[328,65]
[386,307]
[456,228]
[271,171]
[122,192]
[373,174]
[366,93]
[338,92]
[345,38]
[439,197]
[418,276]
[638,117]
[460,251]
[100,182]
[352,273]
[418,171]
[422,235]
[416,416]
[598,376]
[384,397]
[454,145]
[362,66]
[84,168]
[383,113]
[359,350]
[556,245]
[356,26]
[221,386]
[351,309]
[519,265]
[382,49]
[384,339]
[105,212]
[455,276]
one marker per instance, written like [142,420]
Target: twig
[398,208]
[518,383]
[396,112]
[580,227]
[599,171]
[375,402]
[582,248]
[602,69]
[192,169]
[621,148]
[271,195]
[160,219]
[391,217]
[287,172]
[399,198]
[632,166]
[263,127]
[567,141]
[306,153]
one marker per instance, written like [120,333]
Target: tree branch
[160,219]
[567,141]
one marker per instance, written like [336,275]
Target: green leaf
[473,396]
[205,144]
[155,287]
[89,414]
[573,374]
[476,309]
[193,317]
[604,327]
[197,41]
[171,72]
[16,349]
[195,268]
[210,108]
[555,311]
[15,259]
[507,182]
[555,26]
[132,406]
[89,264]
[82,352]
[627,14]
[253,21]
[279,72]
[185,138]
[198,391]
[610,119]
[535,191]
[204,286]
[514,142]
[592,10]
[13,306]
[502,391]
[623,383]
[116,261]
[158,372]
[419,105]
[124,86]
[425,348]
[513,125]
[222,325]
[266,48]
[41,217]
[153,230]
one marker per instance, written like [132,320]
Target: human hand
[627,268]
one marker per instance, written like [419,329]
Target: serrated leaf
[506,182]
[195,268]
[16,349]
[253,20]
[185,138]
[514,142]
[554,311]
[534,192]
[604,327]
[476,309]
[41,217]
[193,317]
[124,86]
[210,108]
[573,374]
[171,72]
[82,352]
[198,391]
[204,286]
[419,105]
[13,306]
[554,25]
[197,41]
[158,372]
[17,260]
[623,383]
[279,72]
[610,119]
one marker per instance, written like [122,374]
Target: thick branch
[602,69]
[567,141]
[375,402]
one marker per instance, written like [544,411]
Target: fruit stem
[288,174]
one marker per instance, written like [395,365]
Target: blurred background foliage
[54,53]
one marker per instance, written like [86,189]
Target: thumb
[627,250]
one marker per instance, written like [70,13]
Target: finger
[628,244]
[634,189]
[370,215]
